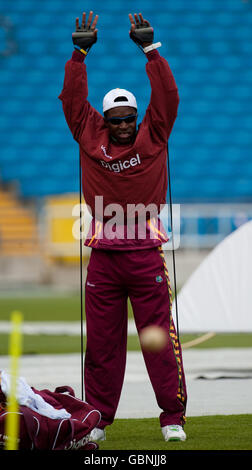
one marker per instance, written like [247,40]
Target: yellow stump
[15,348]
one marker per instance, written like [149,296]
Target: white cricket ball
[153,338]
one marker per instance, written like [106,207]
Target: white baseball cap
[112,99]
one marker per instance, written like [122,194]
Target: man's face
[123,131]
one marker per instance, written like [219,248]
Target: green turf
[62,344]
[67,308]
[233,432]
[42,308]
[204,433]
[44,344]
[61,308]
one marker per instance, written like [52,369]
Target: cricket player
[124,165]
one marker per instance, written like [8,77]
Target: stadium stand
[208,45]
[18,227]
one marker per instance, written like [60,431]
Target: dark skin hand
[138,21]
[89,22]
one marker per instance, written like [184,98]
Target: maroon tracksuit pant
[112,277]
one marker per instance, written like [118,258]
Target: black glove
[142,34]
[83,38]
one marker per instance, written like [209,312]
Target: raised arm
[141,31]
[162,110]
[75,89]
[85,35]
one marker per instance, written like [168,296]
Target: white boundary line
[55,328]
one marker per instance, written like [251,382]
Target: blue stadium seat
[209,48]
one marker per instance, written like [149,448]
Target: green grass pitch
[233,432]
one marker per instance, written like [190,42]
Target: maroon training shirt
[122,174]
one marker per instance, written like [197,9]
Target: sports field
[232,432]
[67,309]
[171,147]
[221,432]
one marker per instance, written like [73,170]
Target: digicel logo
[119,166]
